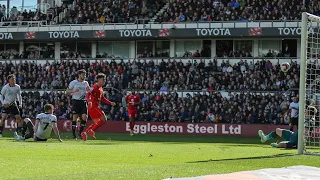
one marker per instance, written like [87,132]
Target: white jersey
[45,125]
[294,112]
[9,94]
[81,87]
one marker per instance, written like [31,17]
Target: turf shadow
[245,158]
[245,145]
[170,139]
[180,138]
[102,143]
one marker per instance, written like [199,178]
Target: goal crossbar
[311,17]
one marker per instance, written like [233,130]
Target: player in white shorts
[78,89]
[9,94]
[45,123]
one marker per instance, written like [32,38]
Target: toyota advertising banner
[156,33]
[245,130]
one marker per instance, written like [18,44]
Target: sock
[132,123]
[98,124]
[74,127]
[1,129]
[30,128]
[82,126]
[271,135]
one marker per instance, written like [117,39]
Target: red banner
[248,130]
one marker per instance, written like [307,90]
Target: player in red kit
[133,101]
[94,96]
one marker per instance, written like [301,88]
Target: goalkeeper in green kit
[290,138]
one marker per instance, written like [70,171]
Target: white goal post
[309,91]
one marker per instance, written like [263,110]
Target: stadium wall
[198,129]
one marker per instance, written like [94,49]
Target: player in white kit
[9,94]
[78,89]
[45,123]
[294,109]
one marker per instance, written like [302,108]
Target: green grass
[120,156]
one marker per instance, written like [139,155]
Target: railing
[21,24]
[157,61]
[39,26]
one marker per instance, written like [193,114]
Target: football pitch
[120,156]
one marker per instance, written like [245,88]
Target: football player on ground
[78,88]
[133,101]
[45,123]
[290,138]
[94,96]
[9,94]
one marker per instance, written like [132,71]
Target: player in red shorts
[133,101]
[97,115]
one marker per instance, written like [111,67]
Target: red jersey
[96,95]
[133,98]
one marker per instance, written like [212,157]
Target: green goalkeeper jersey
[294,138]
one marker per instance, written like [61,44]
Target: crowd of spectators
[212,107]
[243,108]
[235,10]
[128,11]
[156,81]
[112,11]
[247,54]
[150,75]
[87,12]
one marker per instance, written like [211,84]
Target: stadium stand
[158,80]
[237,10]
[161,11]
[167,75]
[243,108]
[88,11]
[114,11]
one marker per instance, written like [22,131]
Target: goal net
[309,93]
